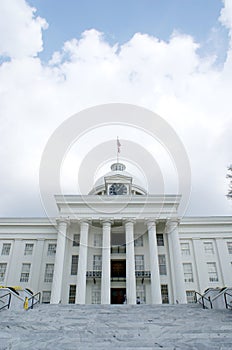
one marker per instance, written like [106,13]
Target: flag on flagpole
[118,145]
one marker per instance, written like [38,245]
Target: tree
[229,176]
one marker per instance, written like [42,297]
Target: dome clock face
[117,189]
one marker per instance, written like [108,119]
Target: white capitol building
[117,242]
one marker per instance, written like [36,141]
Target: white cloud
[170,78]
[20,30]
[226,15]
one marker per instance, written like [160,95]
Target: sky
[58,58]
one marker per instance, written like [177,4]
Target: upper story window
[229,246]
[97,240]
[25,272]
[51,249]
[138,242]
[49,271]
[2,271]
[160,239]
[162,264]
[6,248]
[76,240]
[208,246]
[212,272]
[139,262]
[97,263]
[188,272]
[28,249]
[185,249]
[74,264]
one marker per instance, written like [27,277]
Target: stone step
[116,326]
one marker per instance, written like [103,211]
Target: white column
[224,262]
[199,259]
[37,275]
[176,262]
[130,263]
[82,263]
[56,294]
[15,263]
[105,279]
[154,264]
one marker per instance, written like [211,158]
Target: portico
[116,231]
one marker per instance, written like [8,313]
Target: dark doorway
[118,268]
[118,295]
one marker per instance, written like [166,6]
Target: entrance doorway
[118,295]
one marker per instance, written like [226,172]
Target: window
[164,294]
[97,240]
[6,248]
[212,271]
[76,240]
[25,273]
[74,264]
[229,246]
[160,239]
[97,263]
[72,294]
[138,242]
[162,264]
[28,249]
[51,249]
[96,294]
[185,249]
[208,248]
[46,296]
[140,293]
[190,294]
[188,272]
[2,271]
[49,270]
[139,262]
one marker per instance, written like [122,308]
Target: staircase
[82,327]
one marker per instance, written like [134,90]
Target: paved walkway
[70,327]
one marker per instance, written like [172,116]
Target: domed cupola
[118,182]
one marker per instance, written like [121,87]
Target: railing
[34,300]
[7,305]
[94,274]
[118,249]
[203,298]
[142,274]
[228,304]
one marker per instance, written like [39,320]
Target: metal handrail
[9,300]
[202,297]
[228,305]
[37,301]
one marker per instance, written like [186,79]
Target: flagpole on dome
[118,148]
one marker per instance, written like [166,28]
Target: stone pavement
[83,327]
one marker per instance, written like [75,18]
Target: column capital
[172,224]
[106,221]
[85,221]
[129,220]
[64,220]
[151,222]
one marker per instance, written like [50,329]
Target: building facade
[117,244]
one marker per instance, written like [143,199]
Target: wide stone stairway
[81,327]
